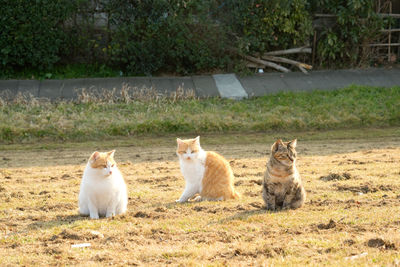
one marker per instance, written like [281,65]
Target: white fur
[102,193]
[192,168]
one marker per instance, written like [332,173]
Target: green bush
[265,25]
[159,35]
[32,32]
[356,24]
[45,38]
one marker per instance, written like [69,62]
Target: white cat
[103,190]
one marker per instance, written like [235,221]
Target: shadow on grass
[59,221]
[243,215]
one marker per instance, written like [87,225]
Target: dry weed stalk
[126,95]
[25,98]
[129,94]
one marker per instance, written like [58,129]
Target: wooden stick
[314,48]
[304,49]
[303,70]
[390,30]
[392,44]
[385,15]
[254,65]
[266,63]
[288,61]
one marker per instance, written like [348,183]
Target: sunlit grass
[39,220]
[146,113]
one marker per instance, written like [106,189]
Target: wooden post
[314,48]
[390,34]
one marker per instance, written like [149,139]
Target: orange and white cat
[206,173]
[103,190]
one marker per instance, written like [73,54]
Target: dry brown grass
[128,94]
[341,218]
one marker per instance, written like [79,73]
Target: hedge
[176,36]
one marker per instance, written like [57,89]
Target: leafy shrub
[262,25]
[32,32]
[177,35]
[357,23]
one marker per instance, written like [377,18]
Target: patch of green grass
[352,107]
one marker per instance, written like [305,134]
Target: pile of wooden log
[269,59]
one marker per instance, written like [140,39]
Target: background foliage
[356,24]
[265,25]
[49,38]
[32,32]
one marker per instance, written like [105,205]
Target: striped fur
[282,186]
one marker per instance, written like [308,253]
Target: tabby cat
[206,173]
[282,186]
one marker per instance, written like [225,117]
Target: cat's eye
[113,165]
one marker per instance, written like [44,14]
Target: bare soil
[351,216]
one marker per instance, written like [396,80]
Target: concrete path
[223,85]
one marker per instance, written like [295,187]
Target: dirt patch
[207,209]
[240,182]
[160,209]
[2,188]
[336,176]
[74,235]
[102,257]
[330,225]
[380,243]
[252,194]
[68,234]
[18,194]
[58,207]
[141,214]
[67,177]
[365,188]
[349,242]
[257,182]
[353,162]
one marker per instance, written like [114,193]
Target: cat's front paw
[110,214]
[179,201]
[94,217]
[271,207]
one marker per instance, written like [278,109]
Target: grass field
[351,220]
[146,113]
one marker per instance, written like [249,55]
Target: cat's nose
[188,158]
[110,172]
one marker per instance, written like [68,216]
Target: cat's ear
[179,141]
[94,156]
[293,143]
[276,145]
[111,153]
[197,140]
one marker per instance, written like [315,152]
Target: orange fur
[98,160]
[218,178]
[185,144]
